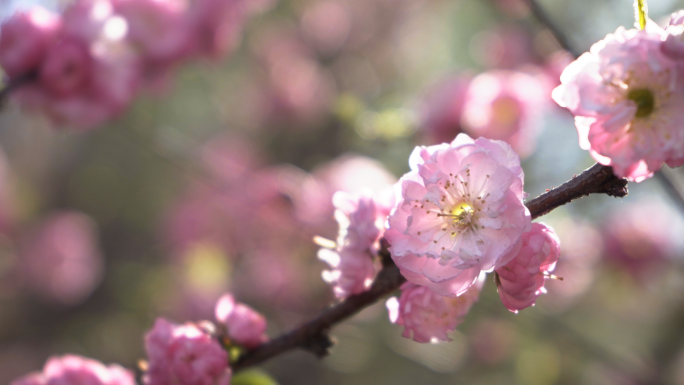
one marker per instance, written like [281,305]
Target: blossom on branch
[361,219]
[245,326]
[626,97]
[71,369]
[521,280]
[184,354]
[428,316]
[459,212]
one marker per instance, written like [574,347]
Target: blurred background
[219,182]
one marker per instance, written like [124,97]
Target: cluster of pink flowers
[187,354]
[84,67]
[459,215]
[625,94]
[361,219]
[192,354]
[72,369]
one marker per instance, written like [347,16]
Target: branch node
[319,344]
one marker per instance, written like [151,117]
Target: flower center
[645,101]
[459,216]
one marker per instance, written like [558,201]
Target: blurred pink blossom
[184,354]
[506,105]
[327,24]
[24,40]
[72,370]
[428,316]
[504,47]
[626,97]
[158,32]
[640,247]
[361,220]
[459,212]
[87,75]
[521,280]
[61,260]
[442,109]
[215,26]
[245,326]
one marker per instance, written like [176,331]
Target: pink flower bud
[521,280]
[70,370]
[428,316]
[245,326]
[184,354]
[24,39]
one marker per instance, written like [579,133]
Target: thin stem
[545,19]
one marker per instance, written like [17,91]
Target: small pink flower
[352,271]
[428,316]
[459,211]
[215,25]
[61,261]
[24,40]
[626,97]
[89,74]
[521,280]
[361,219]
[506,105]
[184,354]
[245,326]
[72,370]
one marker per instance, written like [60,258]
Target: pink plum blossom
[361,220]
[61,260]
[521,280]
[351,270]
[626,97]
[459,211]
[24,40]
[184,354]
[642,248]
[673,43]
[76,370]
[215,26]
[428,316]
[505,105]
[158,32]
[442,109]
[245,326]
[88,75]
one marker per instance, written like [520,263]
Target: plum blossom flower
[24,39]
[361,219]
[184,354]
[87,74]
[245,325]
[158,32]
[521,280]
[459,211]
[61,260]
[626,98]
[71,369]
[506,105]
[428,316]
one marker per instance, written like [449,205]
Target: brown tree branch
[313,335]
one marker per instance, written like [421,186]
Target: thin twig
[313,335]
[545,19]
